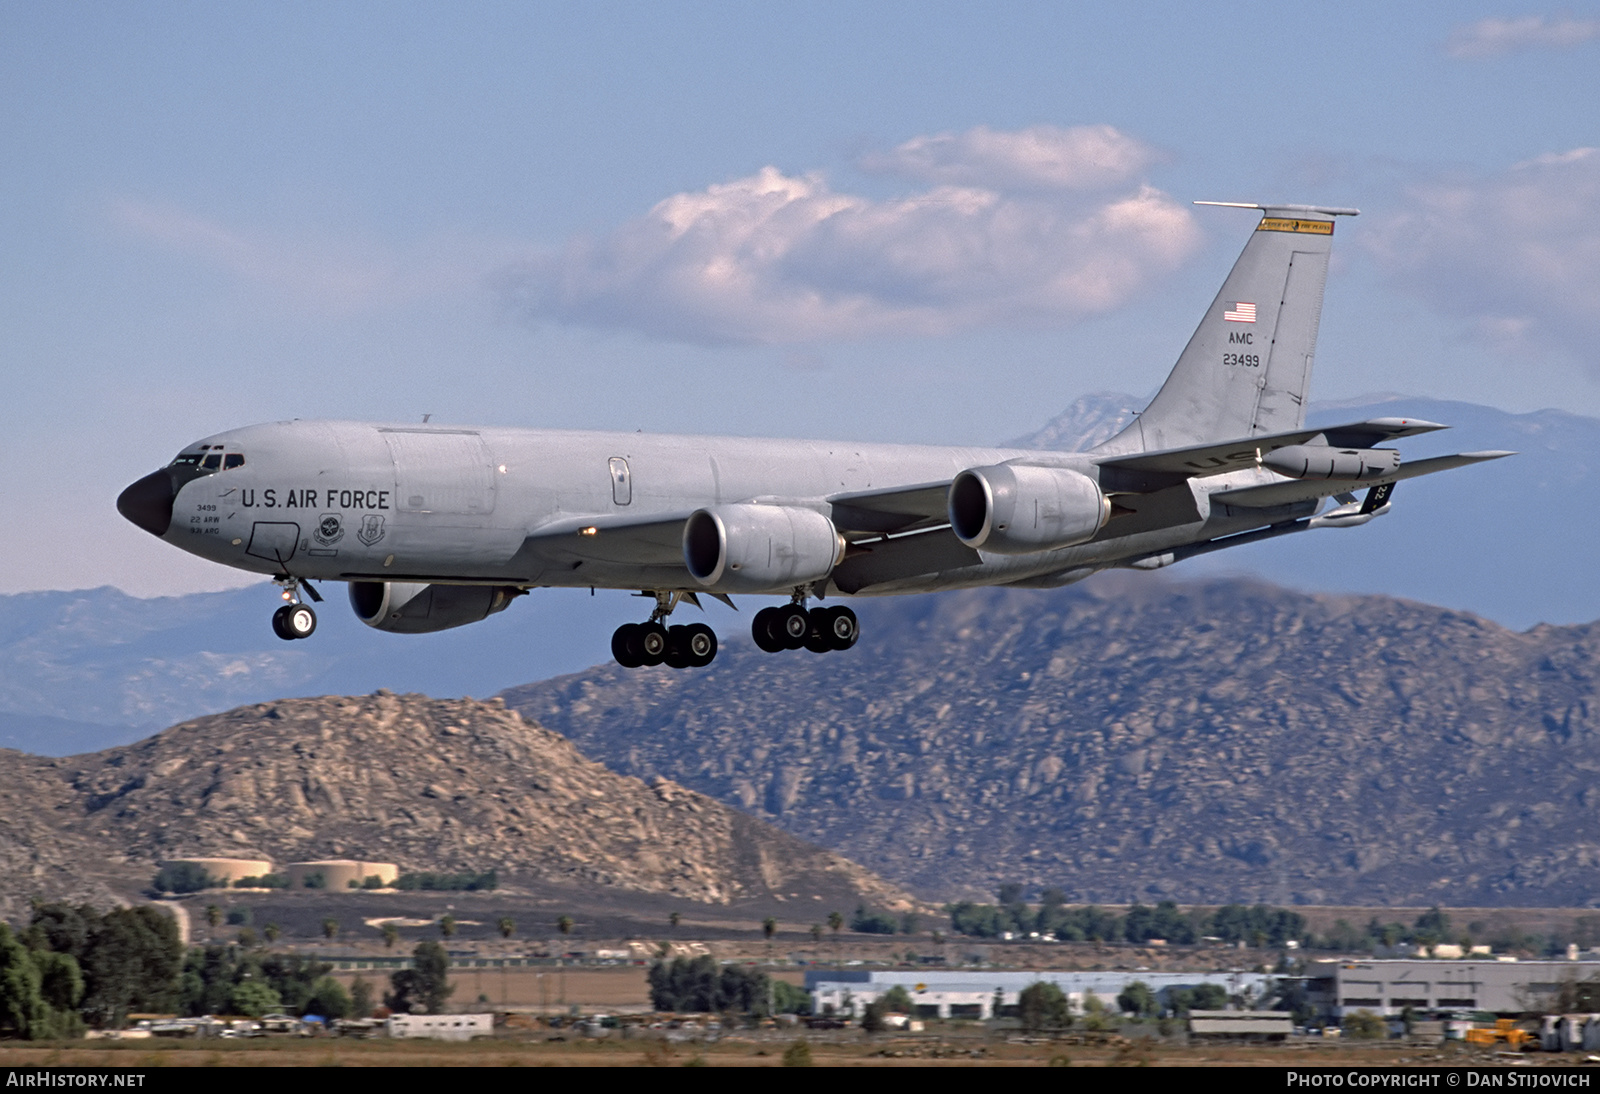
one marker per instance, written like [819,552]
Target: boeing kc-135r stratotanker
[435,526]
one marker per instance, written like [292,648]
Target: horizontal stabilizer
[1169,465]
[1298,490]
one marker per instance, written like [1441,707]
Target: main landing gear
[295,619]
[654,643]
[792,626]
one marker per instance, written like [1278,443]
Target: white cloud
[1495,36]
[1516,254]
[784,258]
[1042,157]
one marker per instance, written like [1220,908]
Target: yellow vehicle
[1505,1032]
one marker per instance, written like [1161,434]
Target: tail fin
[1246,370]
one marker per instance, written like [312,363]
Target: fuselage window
[233,459]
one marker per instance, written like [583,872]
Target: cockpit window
[234,459]
[212,462]
[187,459]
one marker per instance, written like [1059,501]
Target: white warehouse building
[947,993]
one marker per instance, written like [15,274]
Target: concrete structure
[228,870]
[1389,986]
[948,993]
[443,1027]
[337,874]
[1272,1025]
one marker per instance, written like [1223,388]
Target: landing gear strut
[654,643]
[792,627]
[295,619]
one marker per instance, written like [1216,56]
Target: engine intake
[406,608]
[1016,509]
[760,548]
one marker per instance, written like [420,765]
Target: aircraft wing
[1293,490]
[624,540]
[1143,471]
[901,509]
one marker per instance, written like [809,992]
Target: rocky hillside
[429,784]
[1134,737]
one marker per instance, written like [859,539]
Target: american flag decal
[1241,313]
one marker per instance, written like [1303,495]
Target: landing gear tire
[294,621]
[677,653]
[762,630]
[841,628]
[789,626]
[651,643]
[623,646]
[699,645]
[818,638]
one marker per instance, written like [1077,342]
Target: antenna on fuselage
[425,418]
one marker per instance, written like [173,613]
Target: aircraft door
[621,481]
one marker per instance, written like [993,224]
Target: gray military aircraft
[435,526]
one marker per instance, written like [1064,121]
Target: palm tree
[769,927]
[272,931]
[330,929]
[507,925]
[391,935]
[675,918]
[835,924]
[816,932]
[213,916]
[447,925]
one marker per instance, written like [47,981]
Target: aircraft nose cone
[148,503]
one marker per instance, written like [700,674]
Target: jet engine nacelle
[760,548]
[1320,461]
[407,608]
[1013,509]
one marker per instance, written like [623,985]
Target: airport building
[950,993]
[1389,986]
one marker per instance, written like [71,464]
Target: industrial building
[1342,987]
[947,993]
[338,873]
[443,1027]
[226,870]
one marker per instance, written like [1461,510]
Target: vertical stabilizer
[1247,368]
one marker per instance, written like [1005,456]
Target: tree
[1209,997]
[447,925]
[835,923]
[675,918]
[247,937]
[254,998]
[391,935]
[213,916]
[328,999]
[330,928]
[360,998]
[896,1000]
[1364,1025]
[874,1017]
[507,926]
[1043,1008]
[272,931]
[1137,999]
[425,984]
[816,937]
[769,927]
[564,925]
[183,877]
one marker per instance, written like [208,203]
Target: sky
[902,222]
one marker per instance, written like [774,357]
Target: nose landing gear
[294,619]
[654,643]
[792,627]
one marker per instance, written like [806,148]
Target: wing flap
[1297,490]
